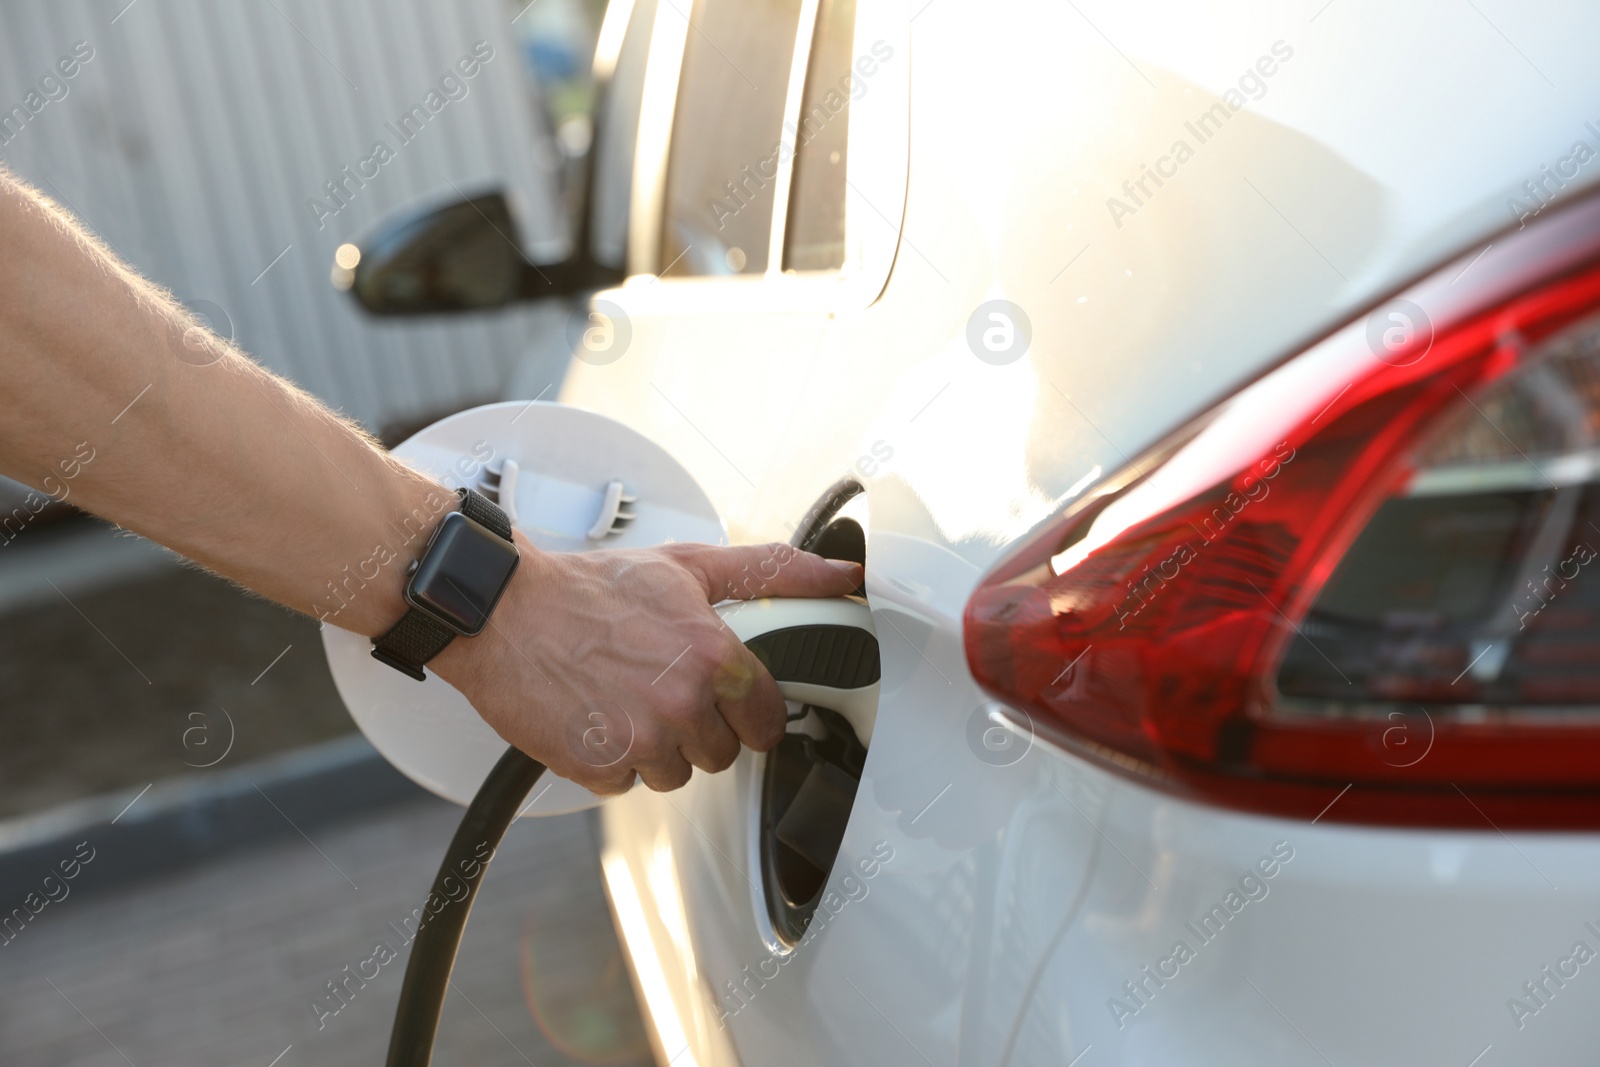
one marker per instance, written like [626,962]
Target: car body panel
[1019,898]
[1370,946]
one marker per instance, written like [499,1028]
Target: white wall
[194,138]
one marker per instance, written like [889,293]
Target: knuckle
[650,742]
[723,757]
[679,713]
[768,732]
[670,778]
[609,785]
[683,554]
[736,678]
[710,652]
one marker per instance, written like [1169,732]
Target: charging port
[812,775]
[810,787]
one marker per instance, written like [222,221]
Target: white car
[1213,394]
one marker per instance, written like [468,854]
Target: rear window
[726,137]
[815,234]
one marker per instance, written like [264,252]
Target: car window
[814,236]
[618,135]
[726,135]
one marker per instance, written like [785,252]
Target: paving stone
[219,965]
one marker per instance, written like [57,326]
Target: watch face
[463,573]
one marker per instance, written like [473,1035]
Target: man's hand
[600,665]
[605,664]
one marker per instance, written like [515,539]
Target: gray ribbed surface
[195,136]
[840,657]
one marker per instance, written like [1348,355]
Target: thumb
[750,572]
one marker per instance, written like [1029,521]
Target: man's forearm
[114,398]
[192,443]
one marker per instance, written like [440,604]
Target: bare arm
[116,398]
[215,458]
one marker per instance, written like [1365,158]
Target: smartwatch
[453,587]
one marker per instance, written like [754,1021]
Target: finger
[612,786]
[715,748]
[666,773]
[748,572]
[748,699]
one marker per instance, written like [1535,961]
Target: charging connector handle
[819,651]
[433,952]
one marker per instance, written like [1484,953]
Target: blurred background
[248,847]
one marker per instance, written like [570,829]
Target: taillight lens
[1377,567]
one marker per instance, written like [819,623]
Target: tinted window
[814,235]
[725,136]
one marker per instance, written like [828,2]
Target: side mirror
[467,254]
[463,256]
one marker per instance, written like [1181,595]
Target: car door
[766,181]
[752,341]
[767,187]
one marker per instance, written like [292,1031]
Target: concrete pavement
[220,964]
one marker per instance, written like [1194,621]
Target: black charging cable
[833,656]
[433,951]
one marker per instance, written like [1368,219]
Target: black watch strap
[413,641]
[418,636]
[481,510]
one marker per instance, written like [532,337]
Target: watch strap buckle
[383,655]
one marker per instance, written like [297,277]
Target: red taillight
[1372,568]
